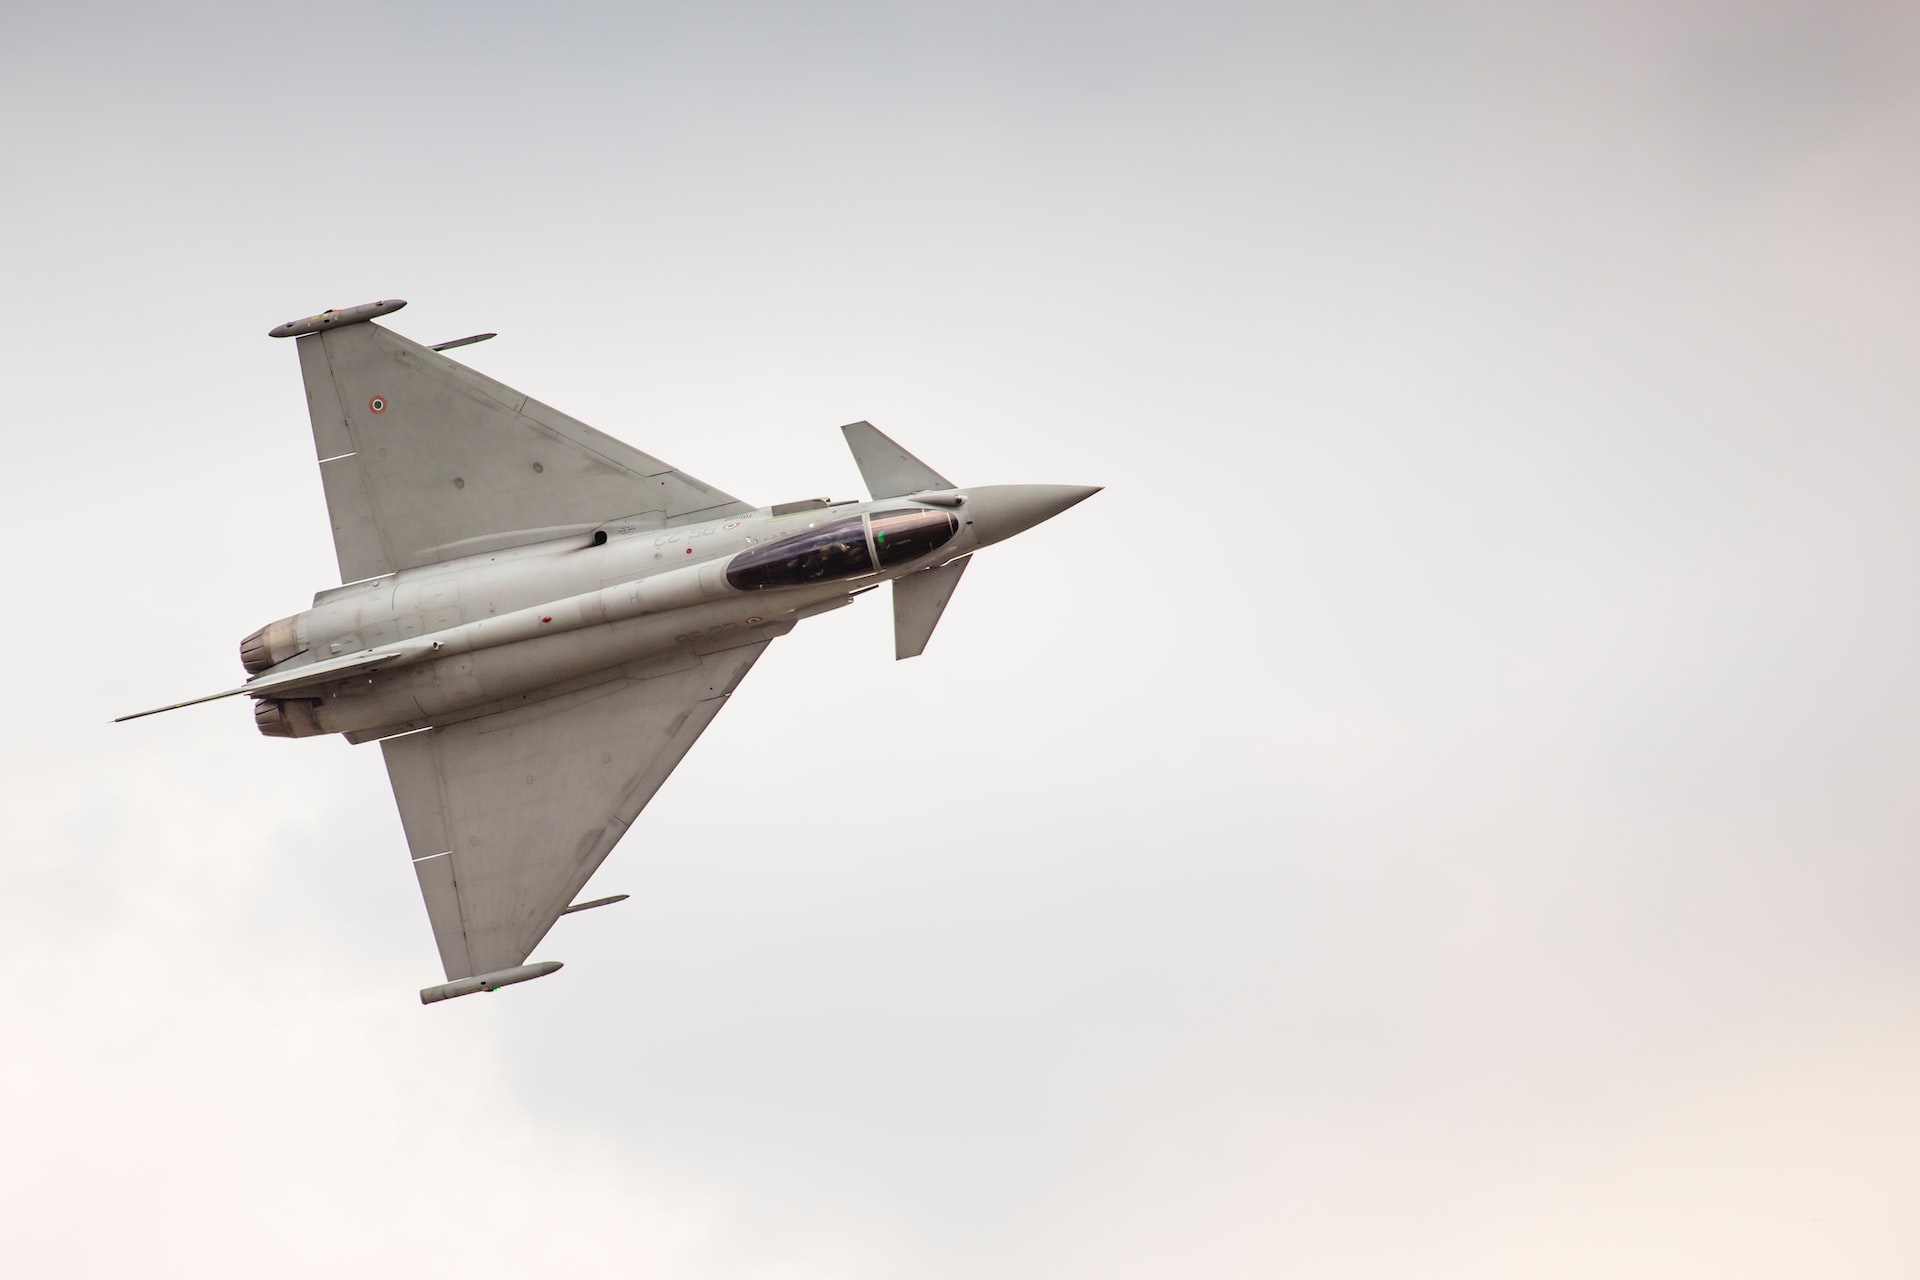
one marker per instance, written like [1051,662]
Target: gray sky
[1446,810]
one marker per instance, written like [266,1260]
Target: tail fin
[889,470]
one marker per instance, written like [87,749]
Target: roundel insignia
[731,524]
[378,404]
[755,621]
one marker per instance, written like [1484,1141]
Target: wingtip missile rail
[336,318]
[487,981]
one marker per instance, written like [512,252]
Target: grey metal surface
[508,816]
[334,318]
[420,455]
[918,601]
[889,470]
[488,981]
[998,511]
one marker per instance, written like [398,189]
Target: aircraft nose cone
[998,511]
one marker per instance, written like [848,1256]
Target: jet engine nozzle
[998,511]
[286,718]
[274,643]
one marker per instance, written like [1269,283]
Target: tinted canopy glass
[836,550]
[906,535]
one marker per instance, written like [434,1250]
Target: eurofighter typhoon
[538,620]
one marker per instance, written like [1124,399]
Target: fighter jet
[537,620]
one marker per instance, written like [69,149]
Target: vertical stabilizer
[889,470]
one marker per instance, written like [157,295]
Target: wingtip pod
[487,981]
[336,317]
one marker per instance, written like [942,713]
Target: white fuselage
[472,636]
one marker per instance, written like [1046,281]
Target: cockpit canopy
[900,536]
[842,548]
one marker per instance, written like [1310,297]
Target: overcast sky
[1447,809]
